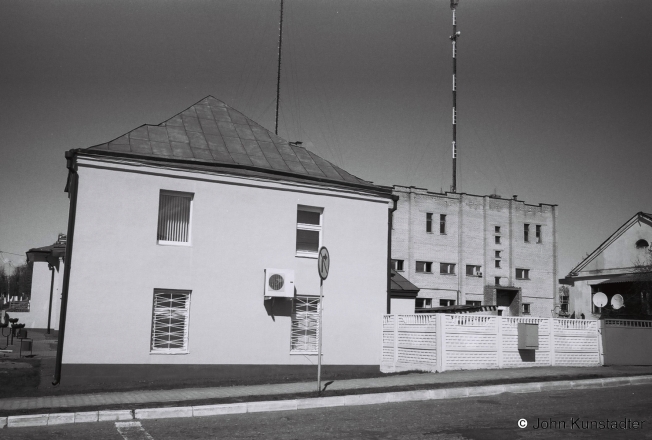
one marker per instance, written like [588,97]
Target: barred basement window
[309,228]
[170,322]
[305,325]
[174,217]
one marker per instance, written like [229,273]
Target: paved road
[494,417]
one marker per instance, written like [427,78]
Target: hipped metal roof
[210,132]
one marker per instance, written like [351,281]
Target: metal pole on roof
[453,38]
[278,76]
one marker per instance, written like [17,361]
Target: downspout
[51,267]
[389,254]
[73,184]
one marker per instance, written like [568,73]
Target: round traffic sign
[323,263]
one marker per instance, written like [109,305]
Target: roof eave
[382,191]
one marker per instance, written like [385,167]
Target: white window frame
[191,196]
[304,322]
[450,269]
[161,313]
[525,275]
[398,265]
[475,271]
[308,227]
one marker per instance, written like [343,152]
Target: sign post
[323,265]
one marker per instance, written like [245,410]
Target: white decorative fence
[440,342]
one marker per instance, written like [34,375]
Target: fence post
[600,328]
[395,340]
[499,340]
[441,342]
[552,341]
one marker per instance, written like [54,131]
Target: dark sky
[554,97]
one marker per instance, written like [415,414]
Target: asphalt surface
[492,417]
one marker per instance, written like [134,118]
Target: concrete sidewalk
[469,378]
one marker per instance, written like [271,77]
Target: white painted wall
[37,317]
[402,306]
[239,228]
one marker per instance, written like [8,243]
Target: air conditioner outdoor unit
[279,283]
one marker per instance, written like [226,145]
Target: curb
[317,402]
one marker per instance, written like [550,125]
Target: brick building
[464,249]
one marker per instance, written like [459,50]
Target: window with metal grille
[447,268]
[309,228]
[428,222]
[174,212]
[563,303]
[170,321]
[305,325]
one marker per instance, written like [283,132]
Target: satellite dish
[600,299]
[617,301]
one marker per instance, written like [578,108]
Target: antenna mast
[278,76]
[453,38]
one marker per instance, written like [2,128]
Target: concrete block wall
[470,239]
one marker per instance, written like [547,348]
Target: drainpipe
[73,184]
[389,254]
[51,289]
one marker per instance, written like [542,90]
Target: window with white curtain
[174,217]
[170,322]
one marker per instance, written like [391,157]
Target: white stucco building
[47,278]
[614,268]
[175,228]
